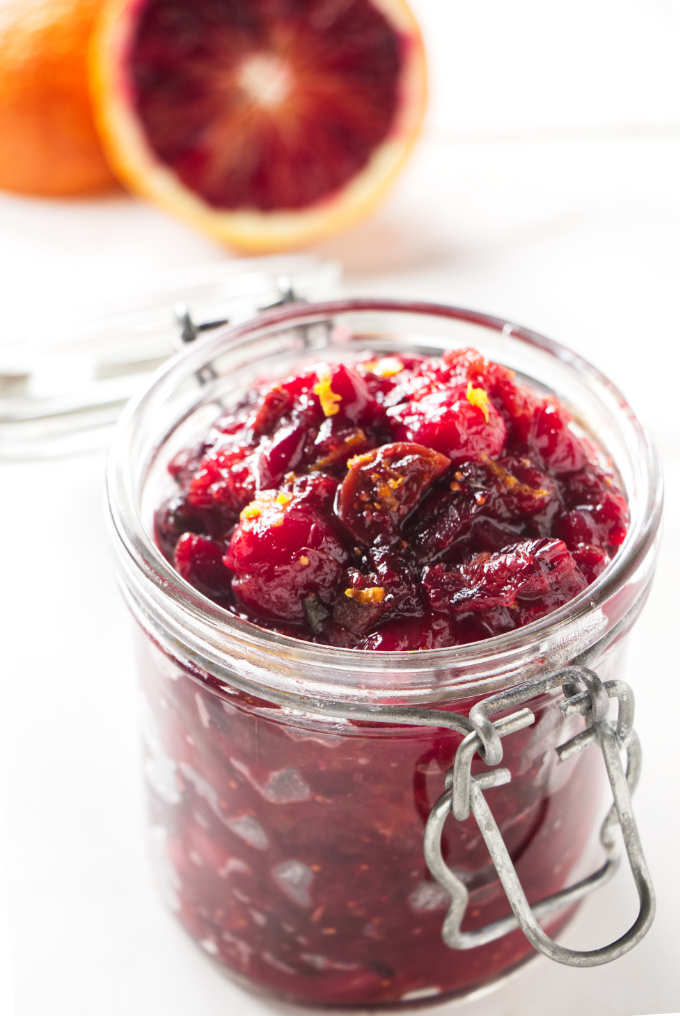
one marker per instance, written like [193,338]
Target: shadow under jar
[290,784]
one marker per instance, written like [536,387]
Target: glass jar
[300,796]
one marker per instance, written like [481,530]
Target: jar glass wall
[287,802]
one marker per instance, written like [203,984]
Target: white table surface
[568,222]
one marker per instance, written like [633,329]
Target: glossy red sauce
[291,850]
[398,503]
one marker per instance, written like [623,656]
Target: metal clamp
[586,694]
[188,330]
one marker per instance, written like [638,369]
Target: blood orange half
[267,123]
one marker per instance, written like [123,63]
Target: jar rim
[224,644]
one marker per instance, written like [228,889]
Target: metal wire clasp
[586,694]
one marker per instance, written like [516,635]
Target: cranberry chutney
[399,491]
[401,502]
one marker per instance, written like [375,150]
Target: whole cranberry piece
[597,510]
[591,560]
[550,436]
[172,518]
[282,552]
[224,479]
[199,561]
[280,453]
[462,423]
[355,402]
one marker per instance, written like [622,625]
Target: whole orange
[48,142]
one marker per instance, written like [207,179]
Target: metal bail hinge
[188,330]
[586,694]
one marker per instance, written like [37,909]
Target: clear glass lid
[61,392]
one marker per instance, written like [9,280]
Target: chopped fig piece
[384,486]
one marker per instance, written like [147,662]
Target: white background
[547,189]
